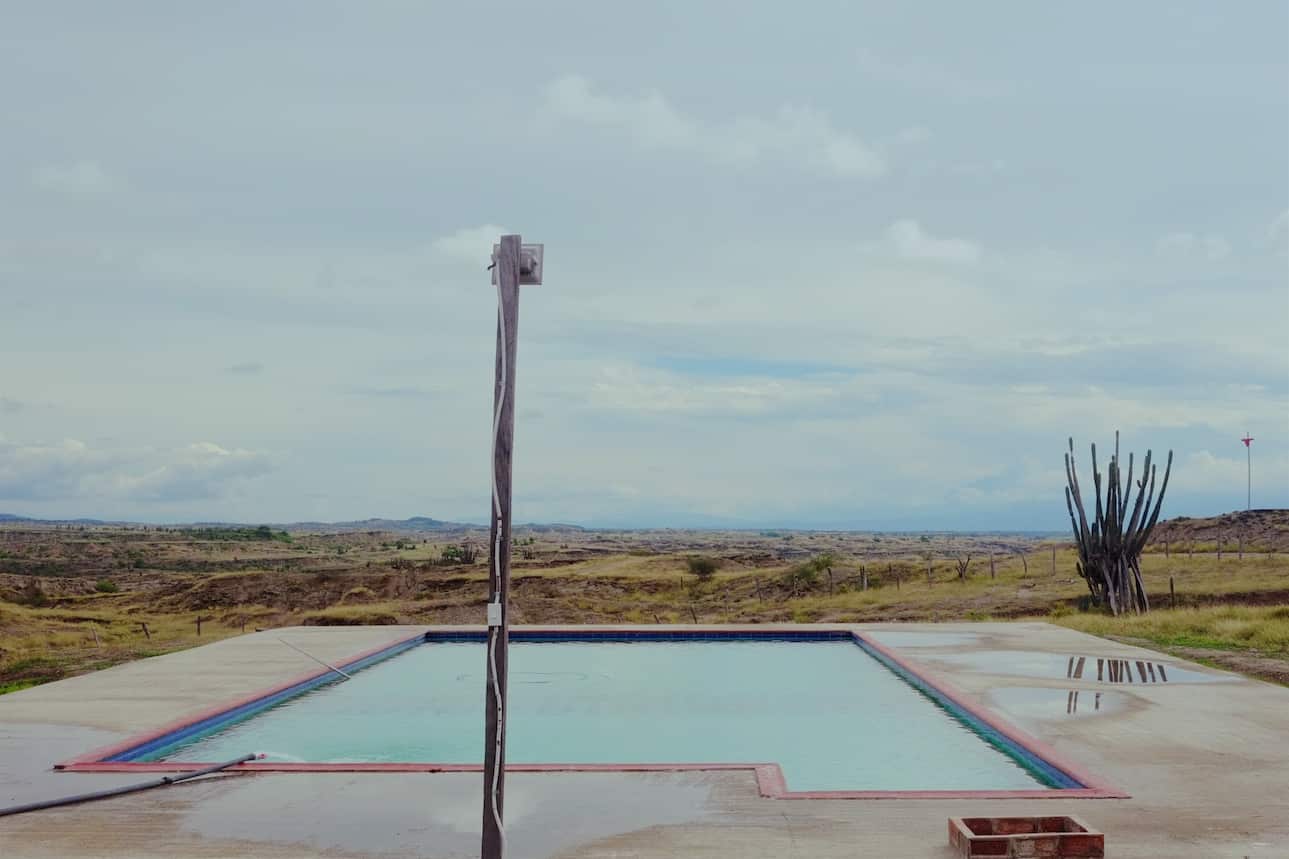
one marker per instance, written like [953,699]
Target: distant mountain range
[414,524]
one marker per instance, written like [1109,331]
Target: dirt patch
[1262,530]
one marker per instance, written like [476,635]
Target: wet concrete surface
[1040,702]
[900,638]
[1207,765]
[1086,667]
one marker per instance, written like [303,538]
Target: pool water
[831,715]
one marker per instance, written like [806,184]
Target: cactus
[1110,548]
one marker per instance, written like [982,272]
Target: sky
[832,265]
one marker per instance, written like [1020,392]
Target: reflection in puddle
[1117,670]
[904,638]
[1035,663]
[1041,702]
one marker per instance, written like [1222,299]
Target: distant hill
[1263,530]
[417,524]
[14,518]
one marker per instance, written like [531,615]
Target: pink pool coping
[769,776]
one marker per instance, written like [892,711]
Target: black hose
[117,791]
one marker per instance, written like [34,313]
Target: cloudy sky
[823,264]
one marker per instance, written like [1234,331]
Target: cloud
[10,406]
[793,135]
[627,389]
[73,470]
[47,471]
[473,244]
[246,368]
[81,177]
[392,391]
[197,472]
[1192,246]
[924,76]
[907,239]
[1278,229]
[1205,471]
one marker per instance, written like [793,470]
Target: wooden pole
[1172,592]
[991,565]
[503,402]
[1053,560]
[199,626]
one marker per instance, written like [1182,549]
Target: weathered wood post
[928,572]
[1241,545]
[1054,559]
[1172,592]
[146,634]
[991,565]
[863,577]
[199,626]
[1219,548]
[1166,549]
[513,264]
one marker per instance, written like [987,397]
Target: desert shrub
[702,567]
[106,586]
[466,553]
[33,595]
[801,576]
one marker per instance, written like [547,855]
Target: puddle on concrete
[902,638]
[400,813]
[1041,702]
[1096,669]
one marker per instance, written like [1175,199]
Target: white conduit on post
[494,632]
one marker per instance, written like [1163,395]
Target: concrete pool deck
[1206,764]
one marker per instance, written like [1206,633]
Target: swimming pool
[815,713]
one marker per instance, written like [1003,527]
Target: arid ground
[78,597]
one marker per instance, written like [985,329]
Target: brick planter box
[1037,837]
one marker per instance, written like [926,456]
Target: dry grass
[366,579]
[1261,628]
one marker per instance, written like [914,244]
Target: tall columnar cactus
[1110,549]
